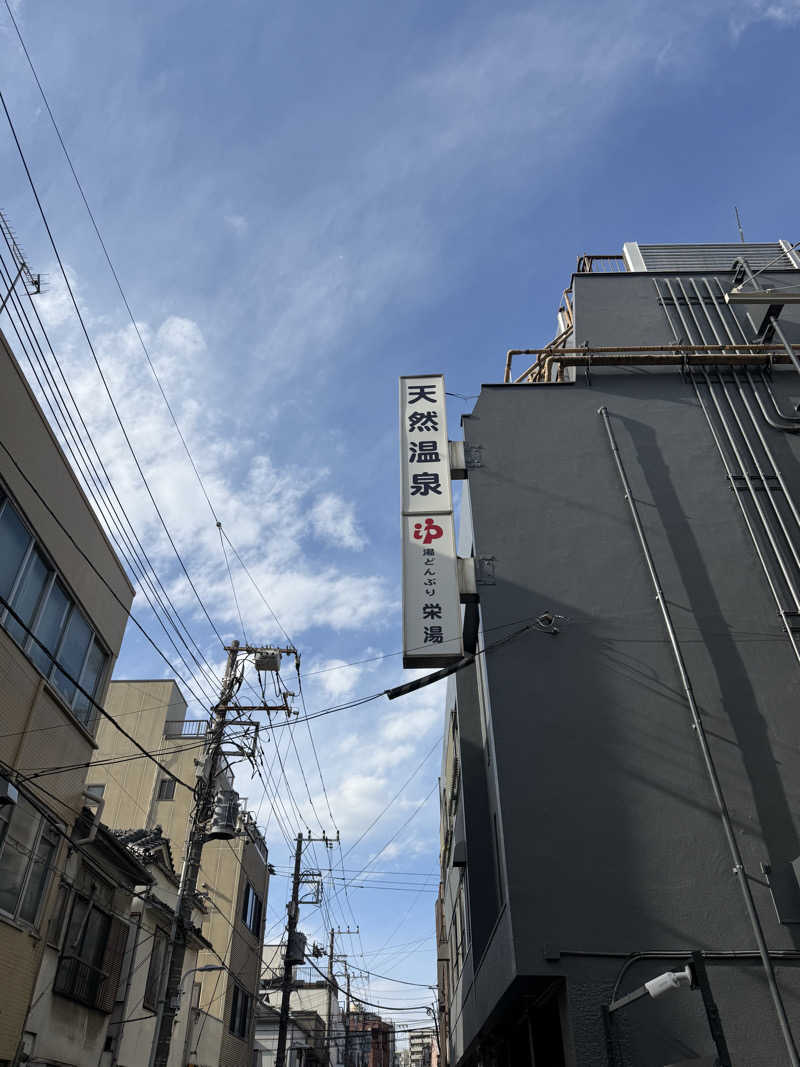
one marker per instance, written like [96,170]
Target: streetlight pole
[188,1038]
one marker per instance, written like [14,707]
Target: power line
[399,981]
[370,1003]
[230,576]
[108,259]
[4,603]
[113,514]
[90,344]
[90,563]
[405,784]
[398,831]
[43,772]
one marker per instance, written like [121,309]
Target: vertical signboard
[432,631]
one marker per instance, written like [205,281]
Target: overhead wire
[92,565]
[404,786]
[107,715]
[98,488]
[101,373]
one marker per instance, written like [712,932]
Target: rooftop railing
[601,265]
[185,727]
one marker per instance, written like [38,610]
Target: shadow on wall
[738,697]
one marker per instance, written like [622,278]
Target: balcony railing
[601,264]
[185,727]
[79,981]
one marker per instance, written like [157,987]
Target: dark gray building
[621,774]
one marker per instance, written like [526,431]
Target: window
[28,845]
[166,789]
[94,946]
[155,971]
[28,593]
[31,587]
[240,1012]
[96,791]
[251,910]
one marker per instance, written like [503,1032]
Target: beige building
[234,874]
[63,611]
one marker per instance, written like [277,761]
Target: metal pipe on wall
[776,472]
[720,315]
[764,380]
[743,472]
[749,444]
[708,760]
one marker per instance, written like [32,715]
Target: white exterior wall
[136,1036]
[315,998]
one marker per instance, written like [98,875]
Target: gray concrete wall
[622,309]
[613,844]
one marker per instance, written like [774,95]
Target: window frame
[67,981]
[44,827]
[28,643]
[166,789]
[240,998]
[152,983]
[252,909]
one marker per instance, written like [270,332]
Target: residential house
[133,1019]
[311,994]
[86,945]
[305,1038]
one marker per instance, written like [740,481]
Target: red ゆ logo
[431,532]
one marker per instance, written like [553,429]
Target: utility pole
[328,1028]
[293,910]
[332,987]
[198,824]
[347,1018]
[264,659]
[293,914]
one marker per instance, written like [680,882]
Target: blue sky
[306,201]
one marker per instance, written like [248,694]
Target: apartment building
[64,598]
[311,996]
[234,874]
[370,1040]
[621,772]
[420,1047]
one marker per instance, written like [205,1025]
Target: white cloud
[336,679]
[238,223]
[407,724]
[333,520]
[264,508]
[750,12]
